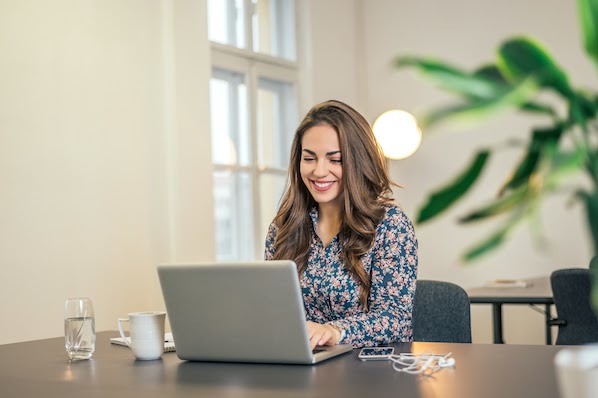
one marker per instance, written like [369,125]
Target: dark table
[539,292]
[41,369]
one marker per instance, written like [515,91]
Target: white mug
[147,334]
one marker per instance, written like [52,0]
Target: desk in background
[539,292]
[40,368]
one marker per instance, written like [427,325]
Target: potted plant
[565,144]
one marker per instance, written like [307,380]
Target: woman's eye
[308,159]
[336,161]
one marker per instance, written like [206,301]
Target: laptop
[239,312]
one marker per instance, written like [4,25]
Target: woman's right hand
[322,334]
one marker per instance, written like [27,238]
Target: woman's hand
[322,334]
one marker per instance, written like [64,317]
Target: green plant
[564,145]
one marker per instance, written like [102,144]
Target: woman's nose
[321,169]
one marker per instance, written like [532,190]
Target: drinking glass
[79,328]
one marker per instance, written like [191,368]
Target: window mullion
[249,11]
[234,123]
[253,87]
[231,29]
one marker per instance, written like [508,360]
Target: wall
[334,53]
[104,160]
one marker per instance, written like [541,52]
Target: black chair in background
[441,313]
[577,322]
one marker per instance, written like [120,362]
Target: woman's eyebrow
[327,153]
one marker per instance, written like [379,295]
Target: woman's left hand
[322,334]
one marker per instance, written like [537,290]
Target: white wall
[354,43]
[334,53]
[104,156]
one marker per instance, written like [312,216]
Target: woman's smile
[322,186]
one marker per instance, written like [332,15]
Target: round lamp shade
[397,133]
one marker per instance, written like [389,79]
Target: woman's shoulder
[392,210]
[272,230]
[394,216]
[395,234]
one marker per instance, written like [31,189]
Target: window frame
[255,66]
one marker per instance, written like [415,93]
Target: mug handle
[120,329]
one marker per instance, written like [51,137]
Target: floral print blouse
[331,295]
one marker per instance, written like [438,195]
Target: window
[262,26]
[253,99]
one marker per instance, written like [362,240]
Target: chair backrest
[571,293]
[441,313]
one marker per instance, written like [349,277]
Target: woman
[356,252]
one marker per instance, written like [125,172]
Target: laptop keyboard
[316,350]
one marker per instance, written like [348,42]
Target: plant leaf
[442,199]
[491,72]
[451,78]
[563,164]
[482,108]
[489,244]
[588,107]
[576,113]
[541,139]
[496,239]
[588,17]
[538,108]
[591,203]
[524,170]
[499,206]
[592,165]
[521,58]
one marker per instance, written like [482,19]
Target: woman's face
[321,167]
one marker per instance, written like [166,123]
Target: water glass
[79,328]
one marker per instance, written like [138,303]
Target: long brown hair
[366,187]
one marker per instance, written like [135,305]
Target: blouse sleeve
[393,273]
[270,249]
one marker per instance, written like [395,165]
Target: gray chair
[577,322]
[441,313]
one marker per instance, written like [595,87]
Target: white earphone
[446,362]
[422,363]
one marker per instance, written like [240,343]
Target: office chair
[577,322]
[441,313]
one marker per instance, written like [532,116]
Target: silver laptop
[239,312]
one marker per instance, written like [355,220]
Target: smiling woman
[356,251]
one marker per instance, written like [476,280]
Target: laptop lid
[239,312]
